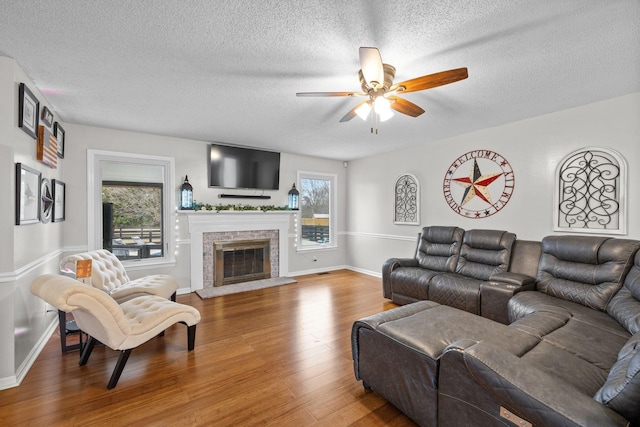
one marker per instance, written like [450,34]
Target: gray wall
[533,147]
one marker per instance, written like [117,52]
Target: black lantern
[186,195]
[294,195]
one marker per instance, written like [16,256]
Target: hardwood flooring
[279,356]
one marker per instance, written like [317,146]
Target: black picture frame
[27,194]
[59,133]
[28,111]
[59,200]
[46,117]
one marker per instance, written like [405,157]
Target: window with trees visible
[132,219]
[131,207]
[317,210]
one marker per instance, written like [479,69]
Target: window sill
[319,248]
[147,264]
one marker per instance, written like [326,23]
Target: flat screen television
[240,167]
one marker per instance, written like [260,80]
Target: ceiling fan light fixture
[382,107]
[376,82]
[363,110]
[385,115]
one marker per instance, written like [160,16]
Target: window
[131,206]
[132,219]
[317,210]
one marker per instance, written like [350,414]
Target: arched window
[590,192]
[407,200]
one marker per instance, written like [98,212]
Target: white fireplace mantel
[210,222]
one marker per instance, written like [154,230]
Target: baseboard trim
[340,267]
[25,366]
[367,272]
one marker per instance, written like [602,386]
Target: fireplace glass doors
[238,261]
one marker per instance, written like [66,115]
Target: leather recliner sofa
[570,355]
[471,270]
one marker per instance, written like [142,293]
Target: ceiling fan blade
[371,65]
[433,80]
[330,94]
[405,107]
[352,113]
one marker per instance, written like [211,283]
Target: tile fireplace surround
[202,223]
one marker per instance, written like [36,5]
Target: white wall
[27,250]
[190,159]
[533,147]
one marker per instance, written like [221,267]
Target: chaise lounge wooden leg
[117,371]
[86,350]
[191,332]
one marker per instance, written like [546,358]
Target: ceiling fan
[377,85]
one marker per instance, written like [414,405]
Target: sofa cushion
[621,391]
[457,291]
[578,344]
[484,253]
[625,305]
[431,330]
[439,248]
[524,303]
[584,269]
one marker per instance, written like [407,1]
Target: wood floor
[278,356]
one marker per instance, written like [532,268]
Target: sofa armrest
[495,294]
[515,279]
[388,267]
[478,379]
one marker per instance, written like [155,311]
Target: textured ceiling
[228,70]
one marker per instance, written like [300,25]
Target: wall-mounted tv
[240,167]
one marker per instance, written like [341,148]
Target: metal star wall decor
[470,193]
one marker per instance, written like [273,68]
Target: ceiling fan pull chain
[371,118]
[374,119]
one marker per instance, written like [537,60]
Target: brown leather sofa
[570,355]
[471,270]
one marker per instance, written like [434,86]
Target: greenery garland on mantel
[220,207]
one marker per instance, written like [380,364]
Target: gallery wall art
[478,184]
[591,191]
[407,200]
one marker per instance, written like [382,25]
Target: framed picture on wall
[59,194]
[27,195]
[46,117]
[58,131]
[47,147]
[28,109]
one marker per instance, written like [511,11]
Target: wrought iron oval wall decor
[591,192]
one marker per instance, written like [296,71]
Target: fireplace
[238,261]
[205,228]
